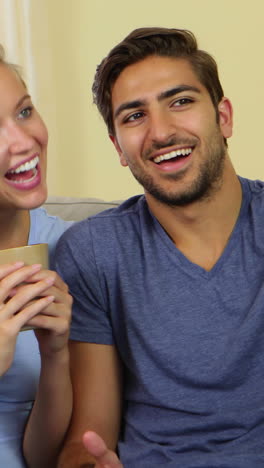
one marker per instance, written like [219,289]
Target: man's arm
[97,404]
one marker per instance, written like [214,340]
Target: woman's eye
[25,113]
[133,117]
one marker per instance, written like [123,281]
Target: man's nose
[18,139]
[161,127]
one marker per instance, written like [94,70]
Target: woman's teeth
[172,154]
[24,173]
[26,166]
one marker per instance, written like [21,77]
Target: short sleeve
[76,263]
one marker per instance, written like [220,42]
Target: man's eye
[133,117]
[25,113]
[182,102]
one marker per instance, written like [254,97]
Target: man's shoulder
[104,235]
[126,213]
[131,206]
[256,187]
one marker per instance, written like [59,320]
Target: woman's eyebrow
[27,96]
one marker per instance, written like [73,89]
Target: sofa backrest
[76,209]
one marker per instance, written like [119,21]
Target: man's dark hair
[142,43]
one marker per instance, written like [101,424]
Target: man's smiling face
[167,130]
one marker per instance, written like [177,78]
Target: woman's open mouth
[25,173]
[25,177]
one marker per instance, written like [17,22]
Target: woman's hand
[52,324]
[19,303]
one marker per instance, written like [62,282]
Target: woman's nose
[18,139]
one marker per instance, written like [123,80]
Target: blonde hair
[16,68]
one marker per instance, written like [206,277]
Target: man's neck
[202,229]
[15,227]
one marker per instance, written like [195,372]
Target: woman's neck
[14,228]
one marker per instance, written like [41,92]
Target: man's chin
[177,199]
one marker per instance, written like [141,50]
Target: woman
[35,389]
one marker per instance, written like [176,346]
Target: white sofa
[76,209]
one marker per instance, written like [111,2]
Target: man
[167,336]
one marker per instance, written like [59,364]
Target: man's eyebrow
[164,95]
[128,105]
[27,96]
[178,89]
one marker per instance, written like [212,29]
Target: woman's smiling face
[23,146]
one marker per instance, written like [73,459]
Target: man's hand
[95,445]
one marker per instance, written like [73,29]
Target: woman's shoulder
[46,228]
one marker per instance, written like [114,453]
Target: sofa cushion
[76,209]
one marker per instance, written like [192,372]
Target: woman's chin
[34,200]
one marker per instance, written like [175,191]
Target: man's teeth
[29,165]
[173,154]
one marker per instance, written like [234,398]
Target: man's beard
[205,184]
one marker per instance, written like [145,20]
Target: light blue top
[18,386]
[191,340]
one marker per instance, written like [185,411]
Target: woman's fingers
[58,282]
[23,317]
[24,295]
[12,276]
[59,288]
[56,317]
[30,296]
[58,325]
[9,268]
[61,297]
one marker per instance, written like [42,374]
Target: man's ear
[225,117]
[122,158]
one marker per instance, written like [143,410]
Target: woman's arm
[51,413]
[50,416]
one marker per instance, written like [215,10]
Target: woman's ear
[225,112]
[122,158]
